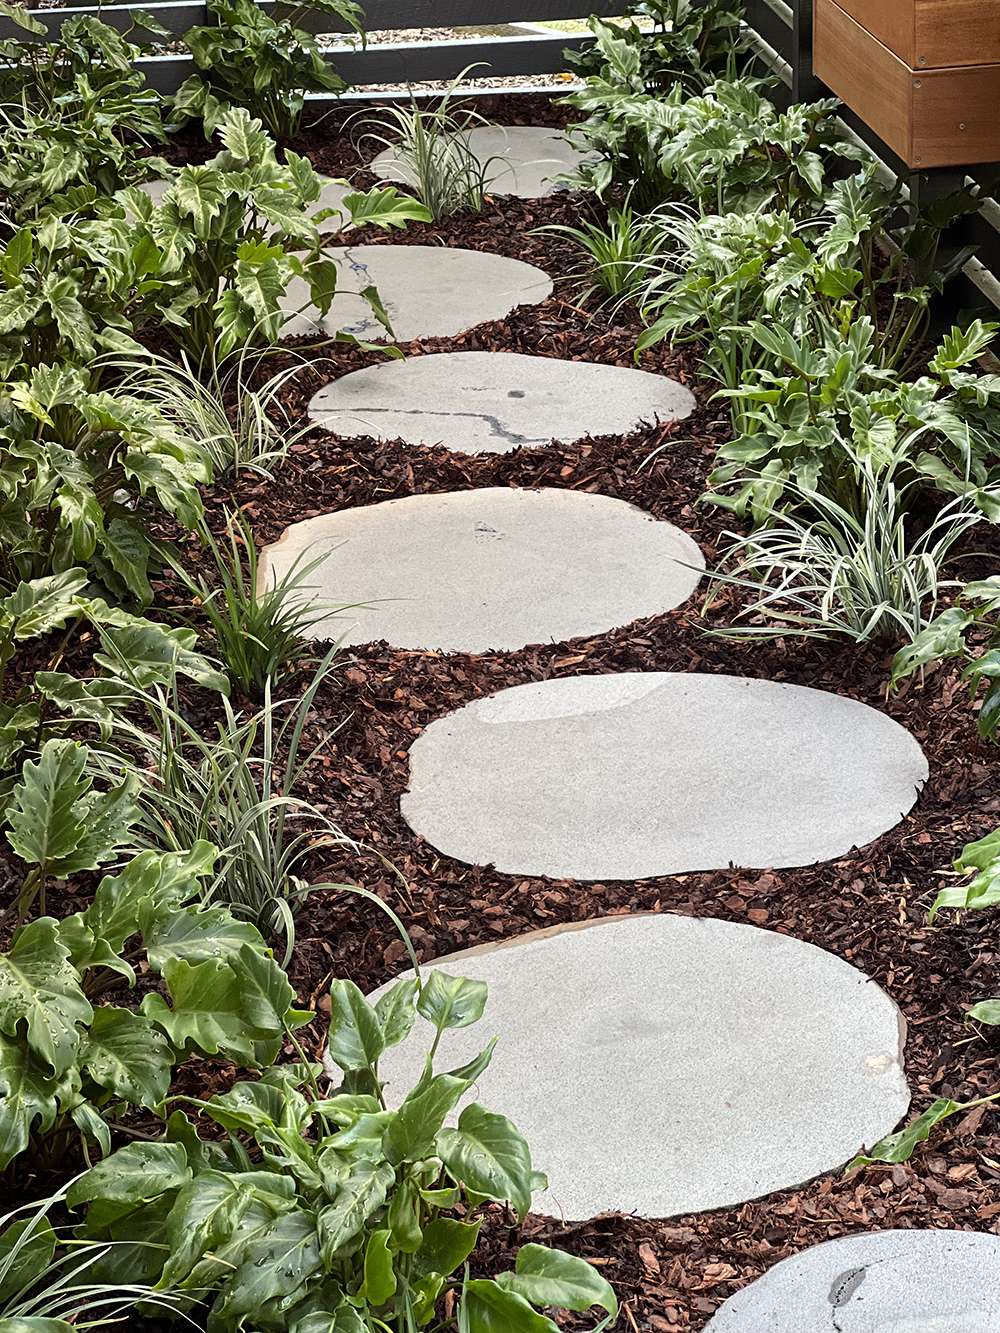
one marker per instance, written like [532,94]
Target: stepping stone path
[332,195]
[493,402]
[882,1282]
[488,569]
[666,1064]
[636,775]
[522,160]
[428,291]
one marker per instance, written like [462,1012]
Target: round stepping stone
[332,195]
[880,1282]
[631,776]
[428,291]
[493,402]
[667,1064]
[486,569]
[523,160]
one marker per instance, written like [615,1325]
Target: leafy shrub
[260,632]
[432,154]
[134,654]
[233,233]
[239,789]
[64,1061]
[866,572]
[949,636]
[260,61]
[615,255]
[337,1218]
[238,427]
[75,463]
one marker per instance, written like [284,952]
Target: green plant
[239,789]
[232,234]
[432,153]
[615,255]
[66,1063]
[238,428]
[262,61]
[45,1279]
[981,861]
[822,570]
[78,469]
[260,632]
[795,411]
[132,655]
[338,1217]
[951,636]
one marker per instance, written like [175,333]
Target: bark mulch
[869,907]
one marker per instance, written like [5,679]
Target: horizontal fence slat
[410,62]
[380,15]
[772,26]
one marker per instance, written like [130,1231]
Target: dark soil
[869,907]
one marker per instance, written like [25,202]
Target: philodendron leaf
[552,1277]
[361,1194]
[386,208]
[40,995]
[137,1173]
[125,1054]
[355,1039]
[396,1011]
[447,1243]
[411,1133]
[27,1099]
[488,1155]
[487,1308]
[451,1002]
[380,1276]
[195,934]
[986,1011]
[899,1147]
[276,1266]
[46,817]
[34,1324]
[944,637]
[44,604]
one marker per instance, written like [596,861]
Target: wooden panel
[403,62]
[380,15]
[957,32]
[891,21]
[955,119]
[865,74]
[932,34]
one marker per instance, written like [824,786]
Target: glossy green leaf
[488,1155]
[451,1002]
[487,1308]
[355,1039]
[553,1278]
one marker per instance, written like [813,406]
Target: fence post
[805,86]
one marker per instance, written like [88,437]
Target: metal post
[805,86]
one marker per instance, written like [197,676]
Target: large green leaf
[27,1099]
[199,193]
[412,1131]
[276,1266]
[135,1174]
[195,934]
[552,1277]
[446,1245]
[386,208]
[47,819]
[396,1011]
[362,1193]
[44,604]
[451,1002]
[355,1039]
[125,1054]
[487,1308]
[489,1156]
[151,654]
[40,995]
[26,1249]
[205,1214]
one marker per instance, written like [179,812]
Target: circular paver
[332,195]
[882,1282]
[523,160]
[486,569]
[630,776]
[667,1064]
[428,291]
[493,402]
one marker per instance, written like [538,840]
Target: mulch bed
[869,908]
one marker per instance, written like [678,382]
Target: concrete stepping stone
[667,1064]
[630,776]
[493,402]
[332,195]
[488,569]
[879,1282]
[522,160]
[428,291]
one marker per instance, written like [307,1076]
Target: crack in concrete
[497,429]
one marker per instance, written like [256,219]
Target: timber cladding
[930,115]
[933,34]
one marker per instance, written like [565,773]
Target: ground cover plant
[201,805]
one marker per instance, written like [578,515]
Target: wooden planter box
[924,74]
